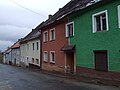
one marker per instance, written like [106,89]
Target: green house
[96,36]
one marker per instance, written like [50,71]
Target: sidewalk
[83,78]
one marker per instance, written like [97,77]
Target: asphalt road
[17,78]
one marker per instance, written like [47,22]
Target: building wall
[86,41]
[16,56]
[1,58]
[24,54]
[56,45]
[34,53]
[27,52]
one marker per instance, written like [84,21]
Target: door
[101,60]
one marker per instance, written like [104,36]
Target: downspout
[40,49]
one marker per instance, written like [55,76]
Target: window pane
[37,45]
[104,22]
[33,46]
[98,23]
[70,30]
[53,56]
[52,35]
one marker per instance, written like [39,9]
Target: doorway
[70,62]
[101,60]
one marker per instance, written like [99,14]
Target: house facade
[7,56]
[15,54]
[53,39]
[96,37]
[30,49]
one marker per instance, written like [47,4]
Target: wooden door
[101,60]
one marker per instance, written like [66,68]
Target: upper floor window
[27,46]
[33,46]
[100,21]
[70,29]
[37,44]
[52,34]
[52,57]
[45,36]
[45,56]
[119,15]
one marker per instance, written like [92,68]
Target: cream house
[30,49]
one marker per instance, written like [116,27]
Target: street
[17,78]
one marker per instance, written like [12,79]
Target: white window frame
[51,56]
[46,60]
[94,20]
[67,28]
[119,15]
[44,36]
[50,34]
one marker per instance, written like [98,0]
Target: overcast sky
[19,17]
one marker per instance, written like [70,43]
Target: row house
[57,52]
[12,54]
[15,53]
[96,37]
[7,56]
[54,40]
[83,38]
[30,49]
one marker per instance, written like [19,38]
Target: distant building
[15,53]
[7,56]
[1,57]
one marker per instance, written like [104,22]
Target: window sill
[70,37]
[45,62]
[45,42]
[52,62]
[101,31]
[52,40]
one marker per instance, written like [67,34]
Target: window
[52,34]
[100,21]
[70,29]
[37,61]
[32,60]
[45,56]
[33,46]
[37,45]
[45,36]
[119,15]
[27,46]
[52,57]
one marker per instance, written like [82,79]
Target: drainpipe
[40,50]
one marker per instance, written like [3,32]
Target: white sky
[16,22]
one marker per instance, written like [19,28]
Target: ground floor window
[37,61]
[32,60]
[52,56]
[45,56]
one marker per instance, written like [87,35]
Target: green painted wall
[86,41]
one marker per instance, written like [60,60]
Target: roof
[72,6]
[16,45]
[34,34]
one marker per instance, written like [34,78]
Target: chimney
[50,16]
